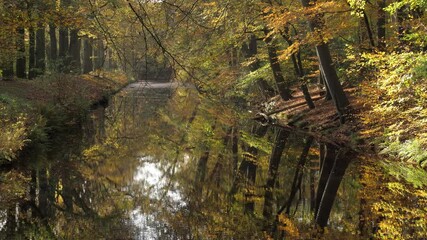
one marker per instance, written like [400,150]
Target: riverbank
[322,122]
[32,109]
[389,133]
[387,111]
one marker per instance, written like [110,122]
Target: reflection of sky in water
[3,221]
[152,178]
[150,174]
[146,231]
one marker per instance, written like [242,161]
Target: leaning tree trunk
[296,182]
[299,71]
[327,162]
[323,83]
[281,84]
[330,190]
[326,63]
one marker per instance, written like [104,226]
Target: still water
[162,163]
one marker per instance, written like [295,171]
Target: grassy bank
[31,109]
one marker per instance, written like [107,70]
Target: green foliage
[411,174]
[13,127]
[400,93]
[412,150]
[413,4]
[258,143]
[357,6]
[249,80]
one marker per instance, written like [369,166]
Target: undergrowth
[398,97]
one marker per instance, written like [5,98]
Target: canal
[161,162]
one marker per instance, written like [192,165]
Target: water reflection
[162,163]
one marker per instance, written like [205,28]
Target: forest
[199,119]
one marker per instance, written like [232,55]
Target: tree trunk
[112,64]
[331,78]
[32,54]
[235,150]
[326,63]
[281,84]
[8,70]
[53,44]
[99,55]
[10,226]
[400,16]
[275,157]
[299,71]
[43,192]
[381,25]
[249,52]
[247,170]
[201,172]
[296,183]
[87,55]
[63,43]
[312,188]
[331,188]
[322,82]
[326,167]
[63,39]
[368,29]
[21,63]
[40,51]
[74,51]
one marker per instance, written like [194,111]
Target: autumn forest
[198,119]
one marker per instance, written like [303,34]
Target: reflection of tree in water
[219,177]
[61,202]
[78,187]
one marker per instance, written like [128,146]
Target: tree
[32,54]
[326,63]
[250,51]
[275,157]
[21,58]
[40,52]
[381,32]
[281,84]
[74,50]
[299,69]
[63,40]
[87,55]
[53,43]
